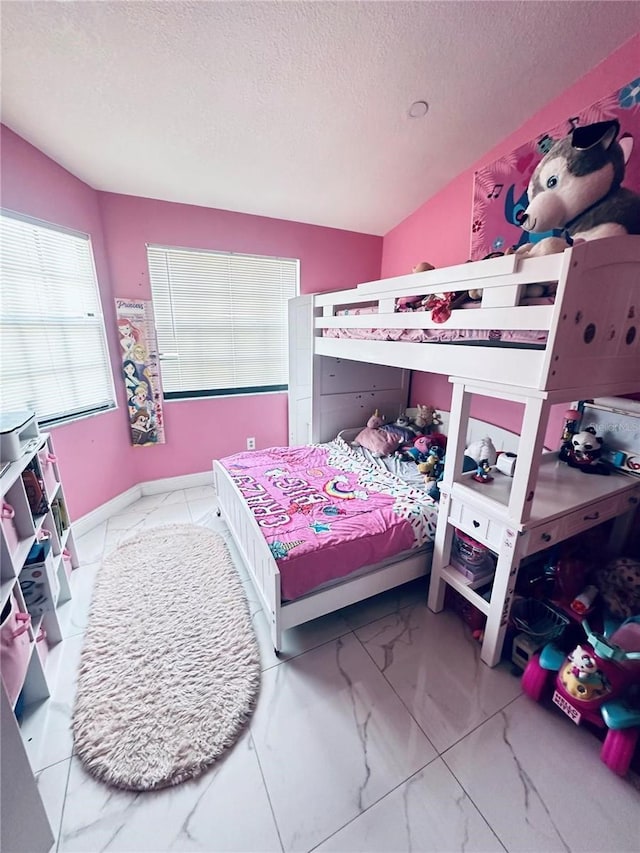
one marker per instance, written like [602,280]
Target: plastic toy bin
[15,647]
[7,519]
[38,580]
[47,461]
[537,619]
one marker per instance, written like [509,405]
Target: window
[54,352]
[221,320]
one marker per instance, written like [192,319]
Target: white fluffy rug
[170,668]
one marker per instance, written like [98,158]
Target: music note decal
[495,192]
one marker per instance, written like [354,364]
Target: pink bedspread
[325,512]
[495,337]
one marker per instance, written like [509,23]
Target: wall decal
[500,189]
[140,373]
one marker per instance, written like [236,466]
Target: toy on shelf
[576,187]
[506,463]
[482,474]
[597,683]
[482,449]
[585,451]
[570,428]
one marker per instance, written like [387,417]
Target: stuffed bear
[427,418]
[577,187]
[585,451]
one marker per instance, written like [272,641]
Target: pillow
[378,441]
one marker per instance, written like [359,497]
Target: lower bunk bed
[321,527]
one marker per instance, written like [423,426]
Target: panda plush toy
[585,452]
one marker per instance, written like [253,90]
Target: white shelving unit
[544,503]
[18,534]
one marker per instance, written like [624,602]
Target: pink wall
[201,430]
[439,231]
[96,457]
[97,461]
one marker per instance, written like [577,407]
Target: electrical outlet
[251,444]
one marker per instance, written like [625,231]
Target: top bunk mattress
[326,512]
[527,338]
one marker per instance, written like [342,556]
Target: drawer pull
[476,523]
[546,537]
[591,517]
[633,500]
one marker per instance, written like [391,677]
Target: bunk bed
[591,331]
[588,346]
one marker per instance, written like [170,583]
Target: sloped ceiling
[295,110]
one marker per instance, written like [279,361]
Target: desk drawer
[477,524]
[590,516]
[544,536]
[630,501]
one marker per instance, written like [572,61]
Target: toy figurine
[482,472]
[571,421]
[584,452]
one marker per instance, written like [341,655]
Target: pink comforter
[325,512]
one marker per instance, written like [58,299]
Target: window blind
[55,359]
[221,320]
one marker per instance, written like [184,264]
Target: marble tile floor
[378,729]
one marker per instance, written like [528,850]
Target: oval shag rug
[170,667]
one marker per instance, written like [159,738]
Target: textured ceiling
[296,110]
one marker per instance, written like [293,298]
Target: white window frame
[94,318]
[166,356]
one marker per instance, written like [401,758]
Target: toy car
[598,682]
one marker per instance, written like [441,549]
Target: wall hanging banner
[140,372]
[500,189]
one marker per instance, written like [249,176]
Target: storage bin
[15,647]
[38,580]
[470,557]
[9,526]
[47,461]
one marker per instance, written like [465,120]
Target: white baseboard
[151,487]
[106,510]
[170,484]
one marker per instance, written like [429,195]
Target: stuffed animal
[418,453]
[427,418]
[577,187]
[423,266]
[585,452]
[468,464]
[376,420]
[401,428]
[482,450]
[430,468]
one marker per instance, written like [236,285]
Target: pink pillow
[378,441]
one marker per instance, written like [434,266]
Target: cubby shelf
[27,529]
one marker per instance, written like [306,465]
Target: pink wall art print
[139,354]
[500,189]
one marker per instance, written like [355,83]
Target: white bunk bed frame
[593,327]
[592,350]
